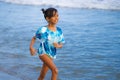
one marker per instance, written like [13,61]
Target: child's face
[54,19]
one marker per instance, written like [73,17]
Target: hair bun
[43,10]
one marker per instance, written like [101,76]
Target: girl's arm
[58,45]
[32,50]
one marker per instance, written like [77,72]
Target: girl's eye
[56,15]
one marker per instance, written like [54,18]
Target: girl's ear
[47,19]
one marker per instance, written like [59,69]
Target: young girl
[51,37]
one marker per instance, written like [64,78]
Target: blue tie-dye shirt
[47,38]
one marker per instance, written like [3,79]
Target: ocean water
[91,51]
[97,4]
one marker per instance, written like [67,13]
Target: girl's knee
[55,70]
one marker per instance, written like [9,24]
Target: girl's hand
[57,45]
[32,51]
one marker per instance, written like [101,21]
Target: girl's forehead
[55,13]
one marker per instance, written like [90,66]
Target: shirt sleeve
[38,33]
[62,40]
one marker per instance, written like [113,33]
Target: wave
[97,4]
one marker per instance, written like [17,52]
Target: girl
[51,37]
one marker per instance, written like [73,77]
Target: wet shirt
[47,38]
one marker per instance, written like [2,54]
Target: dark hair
[49,12]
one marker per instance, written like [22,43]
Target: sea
[92,39]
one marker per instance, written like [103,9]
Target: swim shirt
[47,38]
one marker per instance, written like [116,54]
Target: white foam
[99,4]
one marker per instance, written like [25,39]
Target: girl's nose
[56,16]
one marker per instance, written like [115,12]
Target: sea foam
[97,4]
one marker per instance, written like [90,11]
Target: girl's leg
[48,61]
[43,71]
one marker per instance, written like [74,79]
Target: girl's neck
[52,27]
